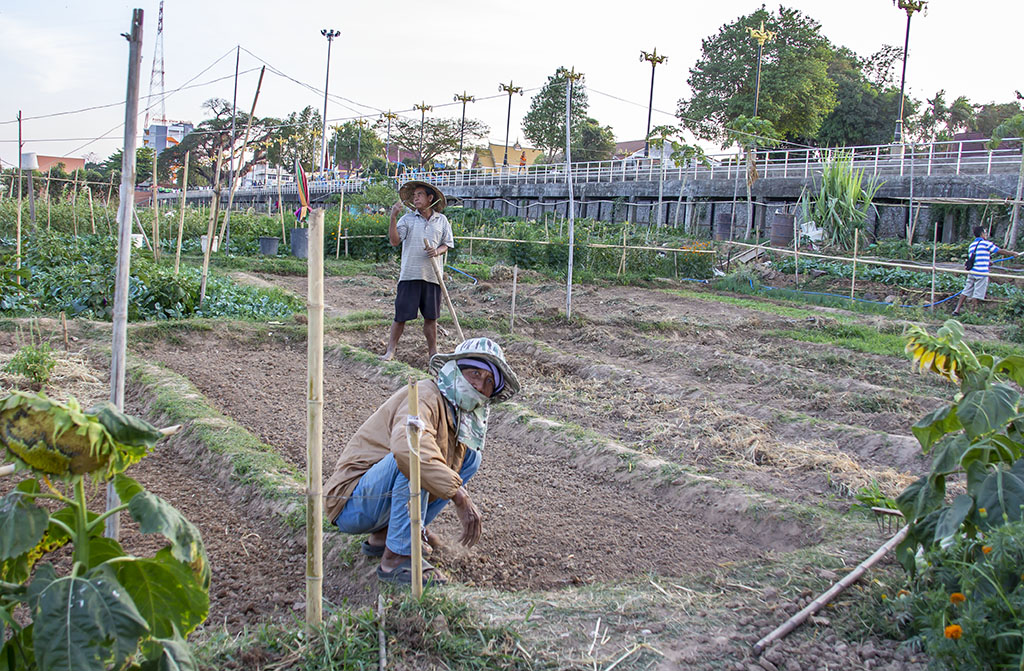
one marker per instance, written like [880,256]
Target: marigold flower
[957,597]
[986,549]
[954,631]
[902,593]
[982,512]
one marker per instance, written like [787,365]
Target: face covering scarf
[471,407]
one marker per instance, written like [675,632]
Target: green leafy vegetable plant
[109,610]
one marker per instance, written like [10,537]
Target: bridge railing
[961,157]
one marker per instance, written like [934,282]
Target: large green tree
[353,146]
[868,102]
[544,123]
[592,142]
[440,136]
[796,90]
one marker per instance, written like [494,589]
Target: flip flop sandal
[402,574]
[372,550]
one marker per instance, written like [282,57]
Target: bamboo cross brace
[415,514]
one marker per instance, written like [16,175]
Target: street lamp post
[359,143]
[464,98]
[423,107]
[330,35]
[762,36]
[390,116]
[654,59]
[509,89]
[909,6]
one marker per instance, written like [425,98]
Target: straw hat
[488,350]
[405,194]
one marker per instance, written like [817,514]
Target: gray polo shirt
[413,229]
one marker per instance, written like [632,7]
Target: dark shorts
[417,295]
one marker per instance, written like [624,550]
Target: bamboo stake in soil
[515,281]
[48,197]
[118,355]
[444,292]
[235,175]
[181,216]
[315,421]
[381,638]
[74,205]
[935,249]
[64,327]
[280,205]
[7,469]
[341,211]
[210,227]
[17,245]
[156,214]
[796,253]
[816,605]
[92,213]
[414,491]
[853,278]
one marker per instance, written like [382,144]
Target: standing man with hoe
[979,255]
[424,234]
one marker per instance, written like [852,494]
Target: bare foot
[387,356]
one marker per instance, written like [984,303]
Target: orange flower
[986,549]
[957,597]
[954,631]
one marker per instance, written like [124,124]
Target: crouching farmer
[369,490]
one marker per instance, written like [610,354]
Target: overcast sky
[63,56]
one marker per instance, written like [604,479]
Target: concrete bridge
[699,193]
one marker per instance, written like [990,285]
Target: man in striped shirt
[977,278]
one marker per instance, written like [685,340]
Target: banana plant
[109,609]
[978,436]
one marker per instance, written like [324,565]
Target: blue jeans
[381,500]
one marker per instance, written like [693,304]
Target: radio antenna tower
[156,77]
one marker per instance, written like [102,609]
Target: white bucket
[138,240]
[203,240]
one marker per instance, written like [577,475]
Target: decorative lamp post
[330,35]
[464,98]
[337,141]
[423,107]
[510,90]
[390,116]
[762,36]
[909,6]
[654,59]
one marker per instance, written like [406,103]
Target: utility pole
[510,90]
[234,114]
[17,245]
[359,144]
[330,35]
[464,98]
[390,116]
[909,6]
[762,36]
[423,107]
[654,59]
[118,354]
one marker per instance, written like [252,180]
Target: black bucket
[300,243]
[723,227]
[782,229]
[268,245]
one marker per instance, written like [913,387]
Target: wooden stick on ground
[444,292]
[816,605]
[315,422]
[6,469]
[515,281]
[415,516]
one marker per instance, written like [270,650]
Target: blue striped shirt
[983,251]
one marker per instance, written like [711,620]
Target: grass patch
[749,303]
[848,336]
[283,265]
[437,631]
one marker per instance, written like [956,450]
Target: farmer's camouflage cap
[488,350]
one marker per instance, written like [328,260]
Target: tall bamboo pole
[210,228]
[181,216]
[515,282]
[235,180]
[935,250]
[796,253]
[415,514]
[124,245]
[280,205]
[92,212]
[156,214]
[341,211]
[74,204]
[48,197]
[17,235]
[853,278]
[570,77]
[315,421]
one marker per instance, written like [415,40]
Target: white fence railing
[963,157]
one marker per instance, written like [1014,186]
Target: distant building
[624,149]
[262,174]
[163,135]
[70,164]
[493,156]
